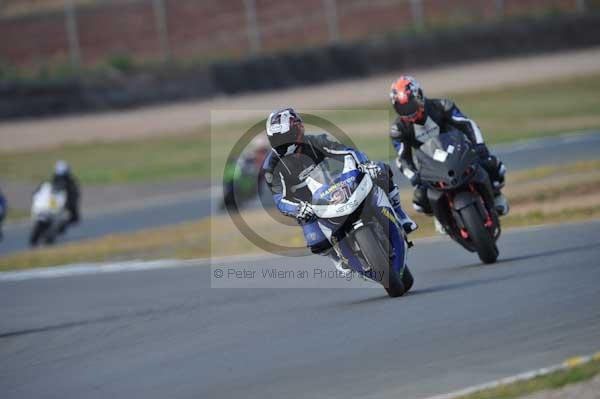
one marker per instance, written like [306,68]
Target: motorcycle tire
[407,279]
[483,241]
[50,239]
[378,260]
[38,229]
[229,202]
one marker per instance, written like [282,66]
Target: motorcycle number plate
[342,194]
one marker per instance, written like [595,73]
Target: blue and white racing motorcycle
[357,217]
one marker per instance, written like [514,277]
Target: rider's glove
[370,168]
[414,180]
[482,151]
[305,212]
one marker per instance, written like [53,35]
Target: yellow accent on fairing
[389,215]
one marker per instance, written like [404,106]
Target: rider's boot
[500,201]
[339,263]
[498,179]
[342,267]
[438,226]
[501,204]
[405,221]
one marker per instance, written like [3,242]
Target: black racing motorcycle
[460,193]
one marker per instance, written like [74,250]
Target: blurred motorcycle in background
[48,213]
[3,210]
[242,180]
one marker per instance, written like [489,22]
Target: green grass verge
[197,240]
[14,214]
[575,168]
[551,381]
[505,115]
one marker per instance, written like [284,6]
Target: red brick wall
[289,23]
[520,7]
[128,26]
[214,27]
[457,11]
[217,28]
[35,39]
[359,18]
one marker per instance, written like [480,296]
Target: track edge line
[567,364]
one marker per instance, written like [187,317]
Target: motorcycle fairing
[341,208]
[351,201]
[374,207]
[48,201]
[339,191]
[385,206]
[446,159]
[446,215]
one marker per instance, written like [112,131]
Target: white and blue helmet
[285,130]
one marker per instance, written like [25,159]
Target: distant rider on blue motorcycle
[291,159]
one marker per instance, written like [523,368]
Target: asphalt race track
[548,151]
[167,334]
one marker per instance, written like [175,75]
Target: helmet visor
[410,109]
[280,141]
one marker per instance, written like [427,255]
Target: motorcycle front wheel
[484,243]
[395,284]
[39,228]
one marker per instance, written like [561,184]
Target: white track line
[82,269]
[567,364]
[89,268]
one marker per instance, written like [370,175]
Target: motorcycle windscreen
[445,158]
[333,181]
